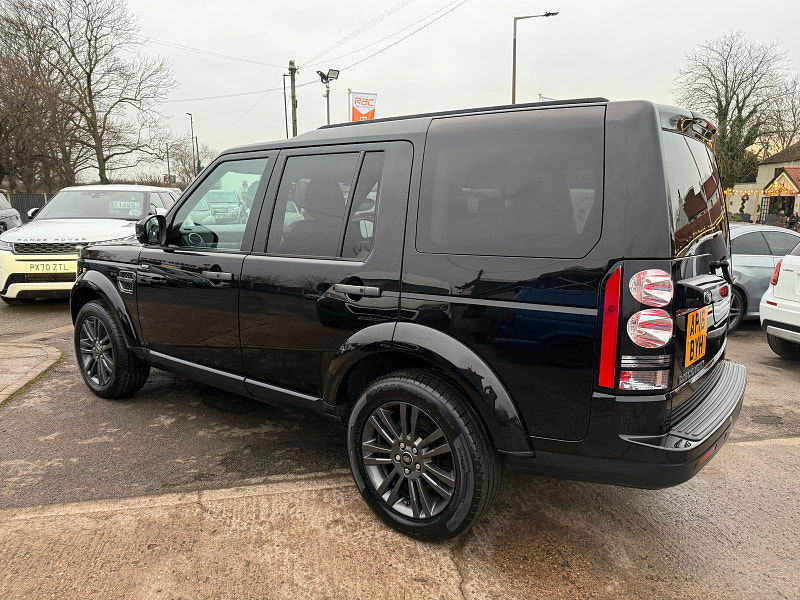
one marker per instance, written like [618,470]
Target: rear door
[326,261]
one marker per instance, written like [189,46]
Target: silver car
[9,216]
[754,250]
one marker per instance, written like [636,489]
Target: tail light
[650,328]
[652,287]
[776,273]
[608,342]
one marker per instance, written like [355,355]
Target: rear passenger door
[325,262]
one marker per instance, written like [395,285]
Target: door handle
[217,275]
[357,290]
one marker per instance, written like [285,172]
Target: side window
[750,243]
[359,236]
[216,214]
[526,183]
[167,199]
[4,204]
[781,244]
[311,204]
[155,202]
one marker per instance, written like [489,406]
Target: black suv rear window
[696,207]
[525,183]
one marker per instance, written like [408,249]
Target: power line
[211,53]
[391,35]
[359,30]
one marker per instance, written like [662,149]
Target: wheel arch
[94,286]
[381,349]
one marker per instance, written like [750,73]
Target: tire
[106,364]
[784,348]
[468,469]
[738,307]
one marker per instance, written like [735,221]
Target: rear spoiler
[687,122]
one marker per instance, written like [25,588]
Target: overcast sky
[620,49]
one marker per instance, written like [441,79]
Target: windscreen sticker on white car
[120,204]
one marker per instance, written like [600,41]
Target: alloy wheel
[735,313]
[96,352]
[408,460]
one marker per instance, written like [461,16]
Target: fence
[24,202]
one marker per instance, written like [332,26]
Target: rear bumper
[652,461]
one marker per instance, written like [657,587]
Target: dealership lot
[188,491]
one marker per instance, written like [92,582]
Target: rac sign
[362,106]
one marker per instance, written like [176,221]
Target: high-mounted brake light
[652,287]
[608,342]
[650,328]
[776,273]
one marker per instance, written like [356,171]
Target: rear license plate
[696,334]
[52,267]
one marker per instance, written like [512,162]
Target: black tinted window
[359,236]
[750,243]
[310,207]
[781,243]
[516,184]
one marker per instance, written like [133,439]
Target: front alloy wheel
[408,460]
[96,352]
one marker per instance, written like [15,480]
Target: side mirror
[33,212]
[152,230]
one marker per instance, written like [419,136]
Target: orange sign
[362,106]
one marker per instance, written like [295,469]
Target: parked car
[780,307]
[39,259]
[754,251]
[485,315]
[9,216]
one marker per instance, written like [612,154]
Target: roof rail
[462,111]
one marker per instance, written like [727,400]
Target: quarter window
[781,244]
[525,183]
[311,204]
[216,214]
[750,243]
[359,237]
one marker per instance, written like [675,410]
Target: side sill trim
[274,394]
[199,373]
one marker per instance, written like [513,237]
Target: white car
[780,307]
[39,259]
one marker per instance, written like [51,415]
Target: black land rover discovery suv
[545,285]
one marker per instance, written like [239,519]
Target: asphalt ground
[731,532]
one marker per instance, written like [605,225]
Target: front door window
[216,214]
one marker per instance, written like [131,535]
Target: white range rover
[39,259]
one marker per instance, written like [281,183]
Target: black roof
[407,125]
[461,111]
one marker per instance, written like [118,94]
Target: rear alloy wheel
[108,367]
[419,456]
[784,348]
[737,310]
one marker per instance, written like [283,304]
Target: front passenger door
[188,290]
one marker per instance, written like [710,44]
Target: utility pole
[197,165]
[292,72]
[191,142]
[285,109]
[169,174]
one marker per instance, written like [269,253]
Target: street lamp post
[191,141]
[326,78]
[514,53]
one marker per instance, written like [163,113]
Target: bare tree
[111,91]
[181,161]
[782,127]
[735,81]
